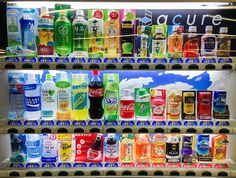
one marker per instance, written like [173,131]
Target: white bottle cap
[159,30]
[192,29]
[31,77]
[44,10]
[64,76]
[80,12]
[111,77]
[223,29]
[111,135]
[209,28]
[78,77]
[127,92]
[175,27]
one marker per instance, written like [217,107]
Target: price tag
[80,165]
[208,60]
[159,123]
[31,123]
[205,165]
[111,60]
[47,123]
[127,165]
[95,123]
[143,123]
[174,123]
[64,165]
[192,61]
[127,123]
[32,165]
[28,59]
[190,123]
[111,123]
[142,165]
[176,60]
[16,165]
[158,165]
[12,59]
[189,165]
[127,60]
[95,60]
[144,60]
[95,165]
[173,165]
[225,60]
[48,165]
[160,60]
[206,123]
[45,59]
[62,59]
[222,123]
[221,165]
[79,123]
[111,164]
[63,123]
[79,60]
[14,122]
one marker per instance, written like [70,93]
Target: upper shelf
[68,63]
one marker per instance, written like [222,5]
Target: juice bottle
[208,43]
[223,43]
[80,96]
[159,43]
[158,148]
[191,46]
[175,42]
[127,148]
[219,147]
[65,147]
[142,148]
[158,103]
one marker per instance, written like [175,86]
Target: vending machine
[101,89]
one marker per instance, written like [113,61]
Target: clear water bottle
[32,99]
[34,147]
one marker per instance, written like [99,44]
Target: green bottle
[142,103]
[63,35]
[80,35]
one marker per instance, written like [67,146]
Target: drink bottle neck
[96,78]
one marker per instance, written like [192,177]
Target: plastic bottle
[49,98]
[80,96]
[34,147]
[45,33]
[191,46]
[63,35]
[208,43]
[223,43]
[18,148]
[159,43]
[32,99]
[64,97]
[65,147]
[111,99]
[158,148]
[127,148]
[158,103]
[175,42]
[95,152]
[142,103]
[80,33]
[127,105]
[96,93]
[111,149]
[142,44]
[142,147]
[172,149]
[28,30]
[49,153]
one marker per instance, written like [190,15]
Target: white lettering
[165,17]
[203,18]
[216,20]
[174,19]
[193,21]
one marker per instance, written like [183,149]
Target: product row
[71,96]
[106,33]
[114,148]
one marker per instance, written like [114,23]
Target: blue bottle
[34,147]
[28,30]
[219,101]
[203,144]
[18,148]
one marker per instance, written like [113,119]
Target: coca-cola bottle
[96,93]
[95,152]
[127,105]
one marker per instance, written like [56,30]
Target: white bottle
[32,99]
[33,146]
[49,98]
[49,148]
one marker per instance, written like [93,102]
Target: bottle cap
[111,135]
[209,28]
[31,77]
[223,29]
[95,72]
[80,12]
[159,30]
[175,27]
[49,77]
[77,77]
[111,77]
[44,10]
[64,76]
[192,29]
[127,92]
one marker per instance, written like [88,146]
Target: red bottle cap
[95,72]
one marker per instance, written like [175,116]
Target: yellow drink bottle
[80,96]
[65,147]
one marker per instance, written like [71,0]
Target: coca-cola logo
[98,92]
[129,107]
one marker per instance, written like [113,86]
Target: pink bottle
[158,103]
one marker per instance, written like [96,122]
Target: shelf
[198,127]
[67,63]
[168,170]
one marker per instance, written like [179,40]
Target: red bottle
[204,105]
[191,46]
[127,105]
[96,93]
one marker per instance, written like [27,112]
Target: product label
[127,108]
[158,47]
[63,100]
[63,34]
[172,149]
[79,30]
[32,103]
[96,92]
[142,108]
[209,44]
[29,34]
[158,110]
[80,96]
